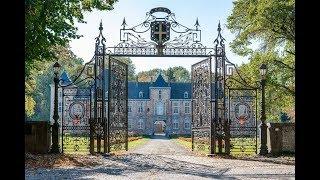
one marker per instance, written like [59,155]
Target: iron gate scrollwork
[243,121]
[75,120]
[201,105]
[102,113]
[242,113]
[118,104]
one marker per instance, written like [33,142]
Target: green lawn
[80,145]
[137,143]
[205,149]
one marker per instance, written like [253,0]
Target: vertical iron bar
[90,120]
[126,107]
[256,121]
[103,98]
[216,91]
[62,120]
[228,123]
[192,103]
[213,128]
[225,128]
[109,103]
[95,106]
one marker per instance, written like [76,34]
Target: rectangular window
[140,110]
[140,124]
[175,108]
[187,108]
[129,109]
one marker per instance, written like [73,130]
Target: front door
[159,127]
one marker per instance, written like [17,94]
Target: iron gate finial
[197,24]
[124,23]
[100,28]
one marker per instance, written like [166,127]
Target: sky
[208,12]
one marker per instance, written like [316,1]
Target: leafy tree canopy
[172,74]
[271,24]
[50,23]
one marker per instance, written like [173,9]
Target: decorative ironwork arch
[211,113]
[185,43]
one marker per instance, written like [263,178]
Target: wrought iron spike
[219,40]
[101,28]
[197,24]
[124,23]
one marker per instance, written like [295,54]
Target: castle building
[153,107]
[159,107]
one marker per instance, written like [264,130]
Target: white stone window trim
[187,105]
[185,94]
[141,94]
[175,106]
[175,124]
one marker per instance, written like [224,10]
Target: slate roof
[135,87]
[64,79]
[160,82]
[177,89]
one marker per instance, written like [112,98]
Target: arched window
[185,94]
[160,94]
[186,124]
[140,94]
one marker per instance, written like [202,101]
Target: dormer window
[140,94]
[185,94]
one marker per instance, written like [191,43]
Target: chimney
[151,80]
[137,80]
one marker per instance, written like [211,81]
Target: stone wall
[288,137]
[282,137]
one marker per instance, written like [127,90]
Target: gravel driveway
[160,158]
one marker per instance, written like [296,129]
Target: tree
[51,23]
[37,84]
[180,74]
[271,24]
[172,74]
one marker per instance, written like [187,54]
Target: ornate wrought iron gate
[201,133]
[75,120]
[102,112]
[118,105]
[243,122]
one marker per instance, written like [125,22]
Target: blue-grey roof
[135,87]
[178,90]
[160,82]
[64,78]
